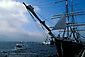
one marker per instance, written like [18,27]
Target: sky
[16,23]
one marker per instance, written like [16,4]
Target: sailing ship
[68,45]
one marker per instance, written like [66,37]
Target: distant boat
[20,46]
[48,42]
[45,43]
[21,50]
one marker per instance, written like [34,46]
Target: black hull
[69,48]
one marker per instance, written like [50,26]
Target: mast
[72,12]
[67,18]
[67,15]
[72,21]
[31,9]
[70,27]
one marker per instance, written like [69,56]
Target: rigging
[40,25]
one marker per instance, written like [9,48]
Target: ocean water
[33,47]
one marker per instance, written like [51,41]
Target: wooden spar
[73,5]
[76,25]
[77,12]
[77,9]
[81,22]
[70,31]
[70,13]
[59,1]
[72,25]
[31,9]
[67,16]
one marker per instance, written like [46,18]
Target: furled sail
[61,24]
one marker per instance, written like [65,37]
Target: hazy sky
[17,25]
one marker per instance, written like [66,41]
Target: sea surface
[33,47]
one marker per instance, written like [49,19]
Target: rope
[45,19]
[32,17]
[80,35]
[44,2]
[43,30]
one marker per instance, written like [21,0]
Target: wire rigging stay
[38,25]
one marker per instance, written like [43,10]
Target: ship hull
[69,48]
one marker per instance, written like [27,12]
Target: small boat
[20,50]
[48,42]
[20,46]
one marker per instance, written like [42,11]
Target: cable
[32,16]
[40,2]
[43,30]
[45,19]
[80,35]
[43,3]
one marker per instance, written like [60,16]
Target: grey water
[33,47]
